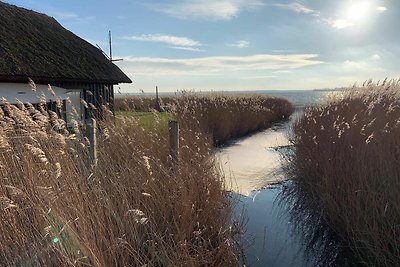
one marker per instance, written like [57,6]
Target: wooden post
[158,107]
[174,140]
[110,42]
[91,133]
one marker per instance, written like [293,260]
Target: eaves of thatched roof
[35,45]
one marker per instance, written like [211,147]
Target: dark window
[61,111]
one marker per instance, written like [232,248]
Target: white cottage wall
[74,106]
[24,93]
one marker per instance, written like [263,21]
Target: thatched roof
[35,45]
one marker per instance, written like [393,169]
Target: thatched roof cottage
[35,46]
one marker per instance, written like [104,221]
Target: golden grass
[346,168]
[221,116]
[133,209]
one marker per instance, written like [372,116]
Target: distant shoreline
[229,92]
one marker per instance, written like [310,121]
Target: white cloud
[195,49]
[282,51]
[261,77]
[70,18]
[282,72]
[298,8]
[166,39]
[356,12]
[381,8]
[355,64]
[240,44]
[363,66]
[207,9]
[376,57]
[148,66]
[64,15]
[339,23]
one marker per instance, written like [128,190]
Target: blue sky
[239,44]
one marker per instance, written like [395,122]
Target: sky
[223,45]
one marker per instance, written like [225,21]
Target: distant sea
[299,98]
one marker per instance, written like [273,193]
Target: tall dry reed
[346,168]
[222,116]
[133,209]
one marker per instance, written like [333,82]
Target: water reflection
[282,231]
[268,240]
[250,163]
[320,244]
[282,228]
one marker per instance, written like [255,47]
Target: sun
[358,11]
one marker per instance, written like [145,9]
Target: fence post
[91,133]
[174,140]
[158,107]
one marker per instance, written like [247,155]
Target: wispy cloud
[302,9]
[64,15]
[261,77]
[282,72]
[339,23]
[350,65]
[176,42]
[215,65]
[354,14]
[298,8]
[186,48]
[70,17]
[207,9]
[282,51]
[164,38]
[376,57]
[381,9]
[368,65]
[240,44]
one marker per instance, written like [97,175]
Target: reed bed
[346,170]
[221,116]
[135,208]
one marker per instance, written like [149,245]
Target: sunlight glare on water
[250,163]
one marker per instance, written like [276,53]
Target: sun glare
[358,11]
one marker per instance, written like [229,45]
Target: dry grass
[346,168]
[139,103]
[221,116]
[133,209]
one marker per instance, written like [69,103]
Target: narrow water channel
[269,239]
[250,165]
[252,162]
[276,235]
